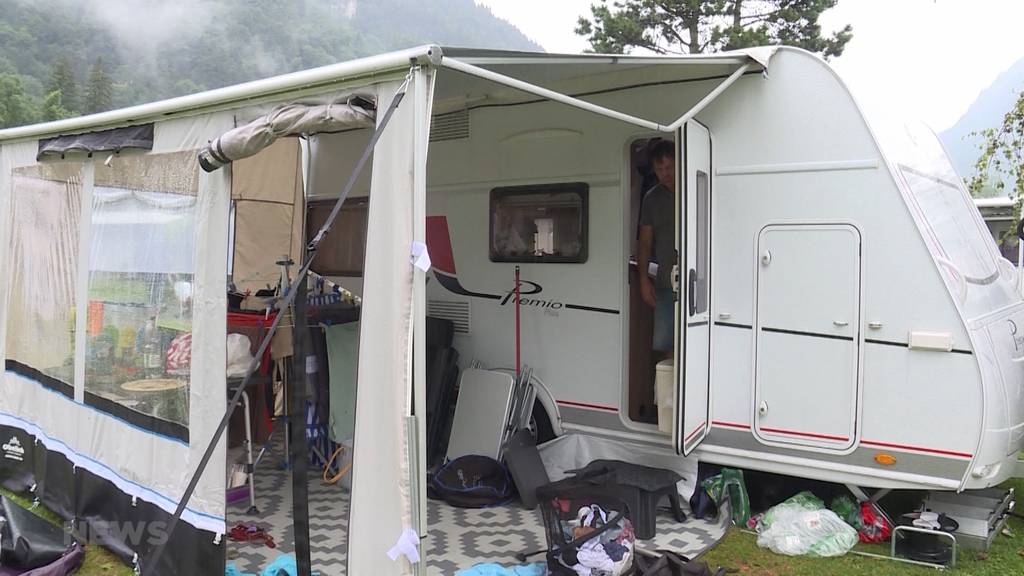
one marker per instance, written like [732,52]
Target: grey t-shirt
[659,212]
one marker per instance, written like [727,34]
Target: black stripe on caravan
[811,334]
[868,340]
[138,419]
[697,324]
[591,309]
[906,345]
[731,325]
[48,382]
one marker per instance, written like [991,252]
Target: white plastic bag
[239,355]
[796,530]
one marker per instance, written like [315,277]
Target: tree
[53,107]
[62,79]
[99,92]
[1002,161]
[700,26]
[16,108]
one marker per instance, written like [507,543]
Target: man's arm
[643,261]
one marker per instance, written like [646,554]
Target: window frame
[703,241]
[582,189]
[361,203]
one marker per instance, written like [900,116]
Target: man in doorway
[657,244]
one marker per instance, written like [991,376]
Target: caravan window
[342,250]
[141,271]
[703,242]
[951,217]
[43,272]
[546,223]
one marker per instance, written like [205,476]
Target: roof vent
[457,312]
[450,126]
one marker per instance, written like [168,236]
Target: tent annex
[118,240]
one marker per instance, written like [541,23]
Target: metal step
[980,513]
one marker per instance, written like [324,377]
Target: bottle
[152,365]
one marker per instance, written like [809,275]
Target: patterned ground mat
[456,539]
[461,538]
[328,519]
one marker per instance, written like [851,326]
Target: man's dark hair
[659,148]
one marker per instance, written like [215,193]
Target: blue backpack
[473,482]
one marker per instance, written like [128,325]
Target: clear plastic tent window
[43,251]
[141,274]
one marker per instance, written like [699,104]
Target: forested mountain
[985,112]
[66,57]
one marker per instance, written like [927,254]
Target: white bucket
[664,394]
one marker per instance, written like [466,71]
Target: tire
[540,424]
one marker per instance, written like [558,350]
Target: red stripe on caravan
[589,406]
[917,449]
[439,244]
[731,424]
[805,434]
[694,433]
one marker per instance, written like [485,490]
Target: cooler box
[664,393]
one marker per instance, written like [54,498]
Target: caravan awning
[115,140]
[577,80]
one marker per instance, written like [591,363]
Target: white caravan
[842,312]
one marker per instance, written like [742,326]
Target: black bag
[472,482]
[702,505]
[672,564]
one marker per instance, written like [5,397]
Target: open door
[693,353]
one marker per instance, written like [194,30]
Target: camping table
[152,389]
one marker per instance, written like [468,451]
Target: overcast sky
[930,58]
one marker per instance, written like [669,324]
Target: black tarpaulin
[114,140]
[27,540]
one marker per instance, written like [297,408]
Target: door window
[703,242]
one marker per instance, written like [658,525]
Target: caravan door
[693,399]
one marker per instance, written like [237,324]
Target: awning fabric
[115,140]
[286,120]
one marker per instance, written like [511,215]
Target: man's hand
[647,291]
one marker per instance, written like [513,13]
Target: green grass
[98,561]
[739,551]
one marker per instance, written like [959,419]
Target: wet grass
[739,551]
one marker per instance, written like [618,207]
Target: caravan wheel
[540,424]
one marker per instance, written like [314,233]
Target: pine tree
[699,26]
[99,93]
[62,80]
[16,109]
[53,107]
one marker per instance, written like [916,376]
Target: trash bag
[729,485]
[870,523]
[846,508]
[875,527]
[802,526]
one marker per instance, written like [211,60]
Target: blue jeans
[664,320]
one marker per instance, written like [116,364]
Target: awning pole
[549,94]
[709,98]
